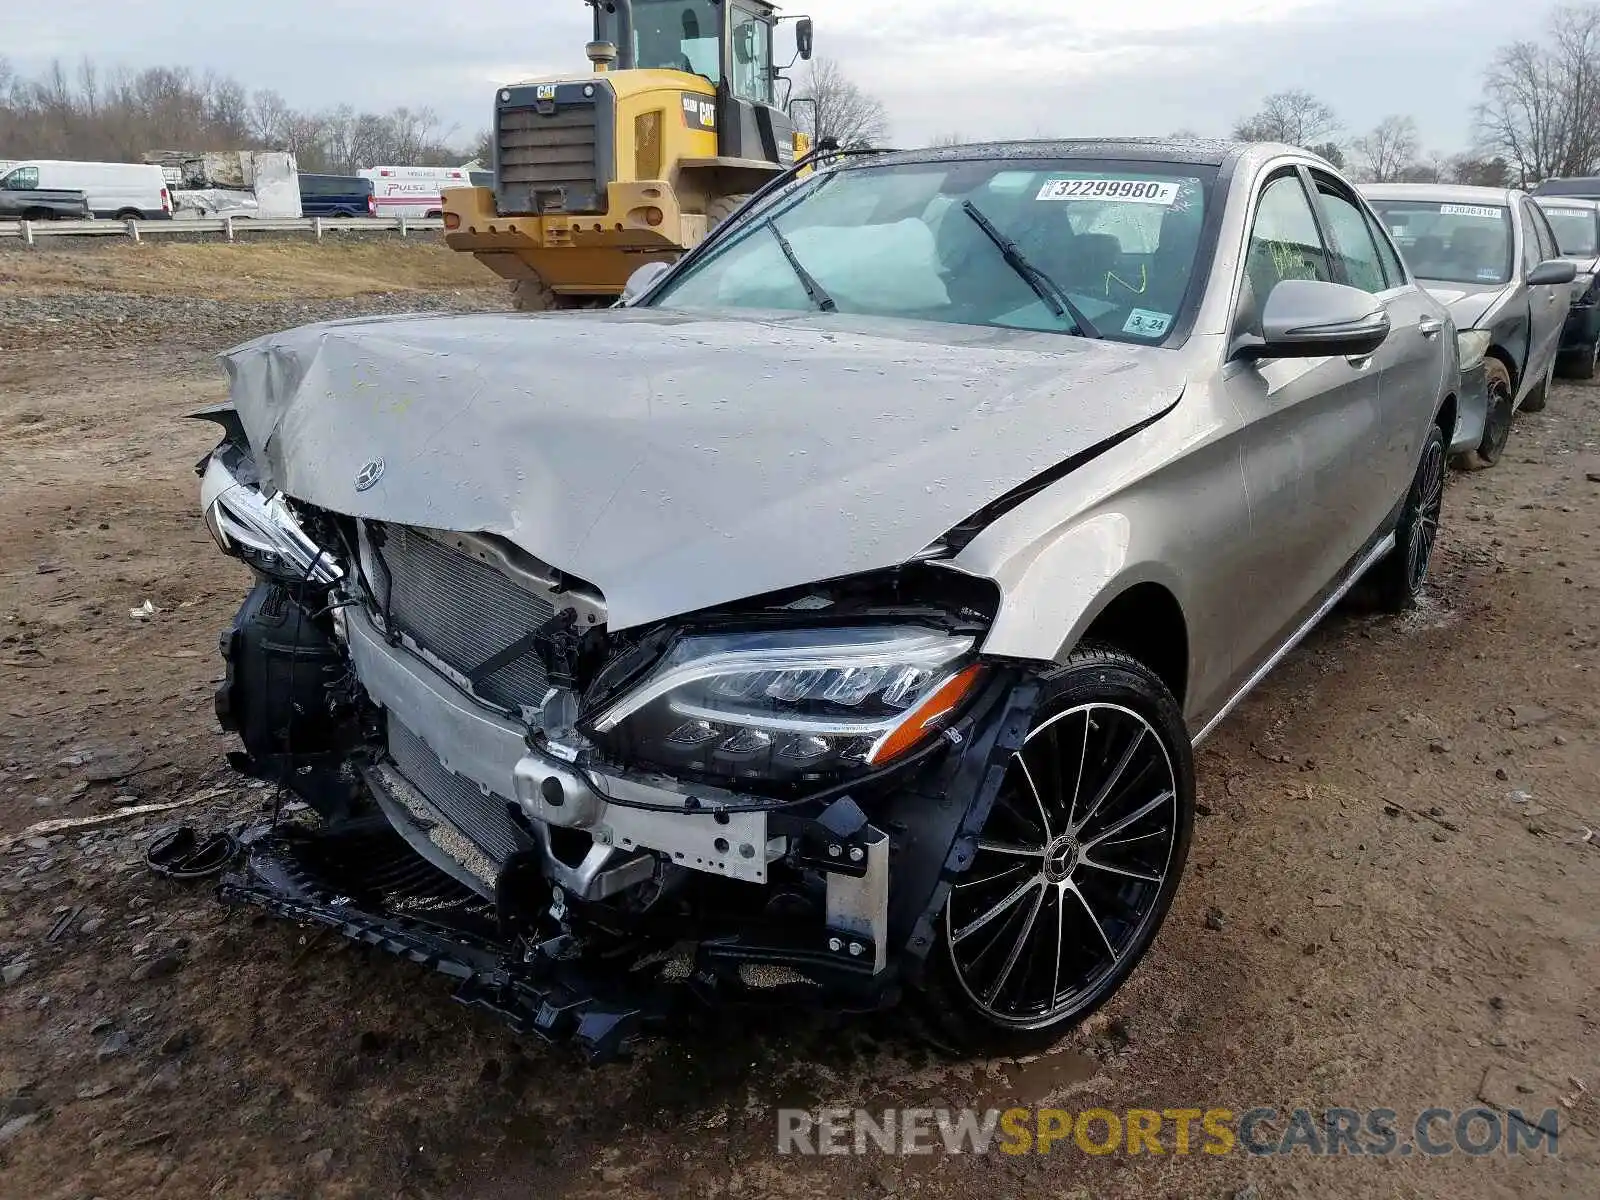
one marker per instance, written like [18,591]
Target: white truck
[413,191]
[125,191]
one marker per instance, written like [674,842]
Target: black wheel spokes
[1070,866]
[1425,527]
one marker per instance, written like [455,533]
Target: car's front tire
[1397,580]
[1496,422]
[1077,863]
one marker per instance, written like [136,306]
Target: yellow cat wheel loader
[596,175]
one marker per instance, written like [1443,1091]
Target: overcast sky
[981,68]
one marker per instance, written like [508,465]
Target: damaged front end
[766,802]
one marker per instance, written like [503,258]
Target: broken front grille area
[461,611]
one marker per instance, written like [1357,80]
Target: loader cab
[729,44]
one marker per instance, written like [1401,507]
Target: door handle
[1430,327]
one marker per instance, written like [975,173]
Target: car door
[1546,312]
[1411,362]
[1310,433]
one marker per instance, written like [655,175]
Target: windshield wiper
[1054,296]
[814,290]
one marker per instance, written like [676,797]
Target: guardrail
[28,232]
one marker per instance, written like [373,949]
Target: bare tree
[1541,111]
[1331,151]
[1388,150]
[950,139]
[1295,117]
[829,104]
[1485,172]
[121,115]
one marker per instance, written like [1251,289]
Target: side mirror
[1553,270]
[803,35]
[642,280]
[1306,318]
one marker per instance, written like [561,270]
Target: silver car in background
[836,621]
[1490,255]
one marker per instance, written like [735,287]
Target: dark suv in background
[335,196]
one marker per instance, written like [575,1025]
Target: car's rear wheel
[1397,580]
[1540,396]
[1497,422]
[1077,863]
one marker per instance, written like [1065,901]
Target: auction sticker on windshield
[1469,210]
[1133,191]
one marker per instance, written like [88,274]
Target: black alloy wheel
[1077,863]
[1398,579]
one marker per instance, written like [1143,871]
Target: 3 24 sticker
[1143,323]
[1132,191]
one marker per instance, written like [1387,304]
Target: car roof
[1198,151]
[1557,200]
[1578,186]
[1447,193]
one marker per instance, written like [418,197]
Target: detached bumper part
[368,885]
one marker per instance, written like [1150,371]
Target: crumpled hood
[1469,303]
[677,461]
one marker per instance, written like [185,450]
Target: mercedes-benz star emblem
[371,471]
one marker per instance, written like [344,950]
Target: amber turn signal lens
[452,220]
[927,718]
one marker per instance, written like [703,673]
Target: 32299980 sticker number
[1132,191]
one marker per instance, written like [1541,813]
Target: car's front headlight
[1473,345]
[788,706]
[260,530]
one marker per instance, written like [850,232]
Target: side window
[752,56]
[1532,255]
[1393,269]
[23,179]
[1284,244]
[1548,247]
[1352,241]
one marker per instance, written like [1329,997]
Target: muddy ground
[1390,900]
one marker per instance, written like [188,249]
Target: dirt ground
[1390,901]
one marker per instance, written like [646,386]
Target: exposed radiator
[464,611]
[482,819]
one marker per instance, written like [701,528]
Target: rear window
[1575,230]
[1449,242]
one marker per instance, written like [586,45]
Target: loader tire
[720,209]
[533,295]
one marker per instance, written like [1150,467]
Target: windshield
[1452,243]
[672,35]
[1119,241]
[1575,230]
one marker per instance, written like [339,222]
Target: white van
[119,190]
[413,191]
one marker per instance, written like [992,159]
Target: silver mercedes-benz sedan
[834,621]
